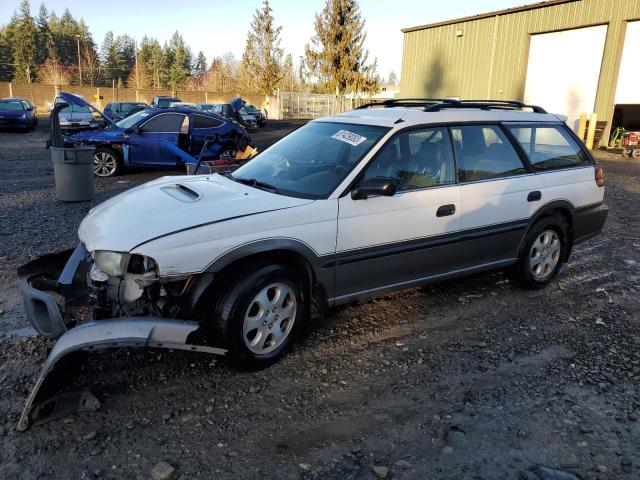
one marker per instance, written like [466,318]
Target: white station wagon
[376,199]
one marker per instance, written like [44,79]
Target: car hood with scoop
[170,205]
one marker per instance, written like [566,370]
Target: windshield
[132,120]
[252,109]
[11,106]
[127,107]
[165,102]
[311,161]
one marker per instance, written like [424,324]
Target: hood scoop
[182,193]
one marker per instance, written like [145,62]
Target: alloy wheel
[544,254]
[269,318]
[104,164]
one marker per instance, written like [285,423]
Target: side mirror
[379,186]
[137,130]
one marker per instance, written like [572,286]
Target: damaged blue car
[139,140]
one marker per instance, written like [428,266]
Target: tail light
[599,173]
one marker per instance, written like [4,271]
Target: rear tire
[544,250]
[106,163]
[258,315]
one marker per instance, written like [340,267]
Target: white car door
[498,193]
[390,241]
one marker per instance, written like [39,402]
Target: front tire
[543,253]
[258,315]
[106,163]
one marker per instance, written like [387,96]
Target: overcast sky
[219,26]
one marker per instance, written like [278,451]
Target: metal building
[569,56]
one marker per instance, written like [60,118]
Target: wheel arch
[316,276]
[560,209]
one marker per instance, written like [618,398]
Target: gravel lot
[474,378]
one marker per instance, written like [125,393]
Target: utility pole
[79,64]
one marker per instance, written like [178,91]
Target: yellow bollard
[592,130]
[582,126]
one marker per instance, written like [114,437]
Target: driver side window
[416,159]
[165,123]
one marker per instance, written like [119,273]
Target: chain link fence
[292,105]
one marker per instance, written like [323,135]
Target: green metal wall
[490,59]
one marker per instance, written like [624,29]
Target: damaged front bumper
[47,317]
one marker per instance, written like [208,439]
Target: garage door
[563,71]
[628,90]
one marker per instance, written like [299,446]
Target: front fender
[121,332]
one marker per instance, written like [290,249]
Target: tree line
[60,50]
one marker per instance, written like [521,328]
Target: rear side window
[549,147]
[167,122]
[200,121]
[483,153]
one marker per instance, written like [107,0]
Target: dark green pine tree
[24,41]
[336,54]
[262,58]
[177,60]
[46,45]
[200,65]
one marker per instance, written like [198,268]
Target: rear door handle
[445,210]
[534,196]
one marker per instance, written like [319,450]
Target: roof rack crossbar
[397,102]
[484,105]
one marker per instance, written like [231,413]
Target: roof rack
[485,105]
[406,102]
[437,104]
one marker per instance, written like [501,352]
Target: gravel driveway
[473,378]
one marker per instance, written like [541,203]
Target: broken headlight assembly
[113,264]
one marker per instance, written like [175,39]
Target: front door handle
[445,210]
[534,196]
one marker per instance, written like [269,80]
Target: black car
[119,110]
[163,102]
[261,118]
[227,110]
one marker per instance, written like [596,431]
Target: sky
[220,26]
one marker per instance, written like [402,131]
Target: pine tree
[46,45]
[200,65]
[24,45]
[6,57]
[262,58]
[150,62]
[393,78]
[289,78]
[177,61]
[336,54]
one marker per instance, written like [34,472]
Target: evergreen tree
[24,44]
[150,63]
[289,78]
[200,65]
[177,61]
[46,45]
[262,58]
[336,54]
[393,78]
[6,57]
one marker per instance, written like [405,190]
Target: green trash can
[73,172]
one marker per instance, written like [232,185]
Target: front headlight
[111,263]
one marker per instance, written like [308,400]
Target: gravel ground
[474,378]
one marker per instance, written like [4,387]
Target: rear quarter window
[202,121]
[549,147]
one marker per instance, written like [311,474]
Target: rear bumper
[588,221]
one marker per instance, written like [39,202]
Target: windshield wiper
[252,182]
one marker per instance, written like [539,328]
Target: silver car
[75,117]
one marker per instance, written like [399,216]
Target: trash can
[73,172]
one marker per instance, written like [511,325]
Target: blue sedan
[137,141]
[18,113]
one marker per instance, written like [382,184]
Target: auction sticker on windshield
[349,137]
